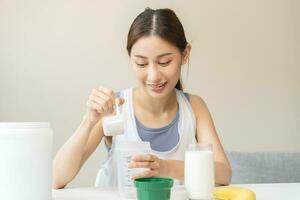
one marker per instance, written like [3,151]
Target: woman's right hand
[101,102]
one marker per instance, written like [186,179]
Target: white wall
[244,63]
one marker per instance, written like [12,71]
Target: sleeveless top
[107,175]
[160,139]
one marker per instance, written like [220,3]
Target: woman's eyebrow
[139,56]
[159,56]
[164,54]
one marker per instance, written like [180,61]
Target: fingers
[149,161]
[151,165]
[146,173]
[145,161]
[92,105]
[107,91]
[144,158]
[95,102]
[119,101]
[103,100]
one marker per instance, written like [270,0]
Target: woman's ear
[186,54]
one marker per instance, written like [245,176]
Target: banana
[233,193]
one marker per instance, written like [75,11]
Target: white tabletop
[274,191]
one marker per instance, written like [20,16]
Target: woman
[162,113]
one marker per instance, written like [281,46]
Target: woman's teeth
[157,86]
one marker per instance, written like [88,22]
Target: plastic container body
[26,161]
[125,150]
[199,171]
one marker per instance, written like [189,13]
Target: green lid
[153,188]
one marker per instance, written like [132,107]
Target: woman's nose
[153,73]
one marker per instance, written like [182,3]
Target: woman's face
[157,65]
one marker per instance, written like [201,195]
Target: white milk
[199,173]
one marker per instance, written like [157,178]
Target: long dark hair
[161,22]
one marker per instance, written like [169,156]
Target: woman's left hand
[157,167]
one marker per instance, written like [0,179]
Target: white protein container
[26,161]
[124,150]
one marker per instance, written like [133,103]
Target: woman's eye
[164,63]
[141,64]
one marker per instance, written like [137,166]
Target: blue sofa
[264,167]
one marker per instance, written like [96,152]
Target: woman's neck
[155,105]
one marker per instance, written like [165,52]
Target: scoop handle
[118,110]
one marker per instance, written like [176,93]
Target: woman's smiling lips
[157,87]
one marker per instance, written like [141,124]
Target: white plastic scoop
[113,125]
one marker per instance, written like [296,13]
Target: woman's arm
[86,138]
[73,154]
[206,133]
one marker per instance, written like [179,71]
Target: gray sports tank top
[161,139]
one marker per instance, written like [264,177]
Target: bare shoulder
[198,105]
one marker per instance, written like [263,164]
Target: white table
[274,191]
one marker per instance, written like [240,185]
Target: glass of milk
[199,171]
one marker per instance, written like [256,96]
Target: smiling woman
[156,110]
[164,24]
[156,63]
